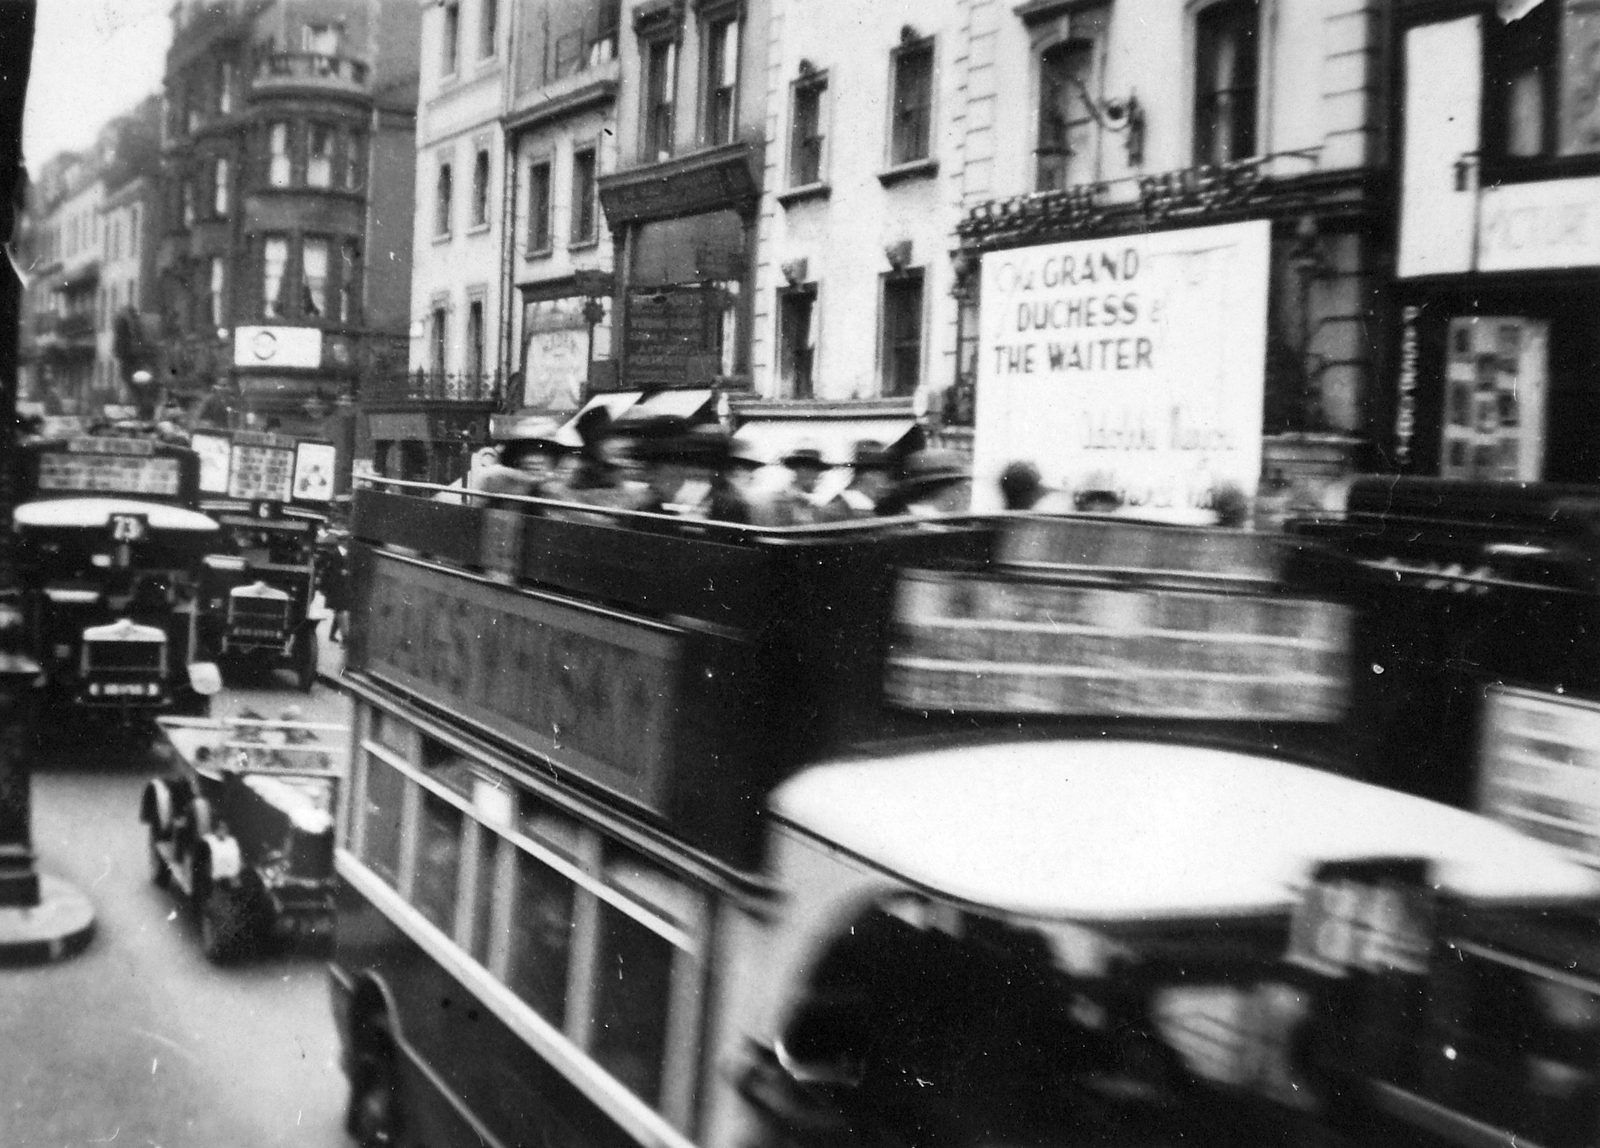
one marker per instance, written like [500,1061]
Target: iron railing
[315,67]
[438,386]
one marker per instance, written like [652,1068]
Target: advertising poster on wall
[1131,364]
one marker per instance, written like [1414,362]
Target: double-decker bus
[111,542]
[966,831]
[270,493]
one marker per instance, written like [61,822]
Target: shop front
[1498,261]
[684,230]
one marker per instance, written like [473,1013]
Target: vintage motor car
[241,824]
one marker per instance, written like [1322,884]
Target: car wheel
[224,925]
[373,1118]
[160,875]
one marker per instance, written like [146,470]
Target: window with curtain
[583,195]
[475,339]
[443,192]
[721,80]
[278,161]
[222,189]
[1226,73]
[218,280]
[1066,128]
[314,278]
[480,188]
[661,68]
[539,207]
[274,262]
[806,131]
[450,40]
[438,345]
[349,282]
[488,28]
[902,332]
[319,156]
[910,136]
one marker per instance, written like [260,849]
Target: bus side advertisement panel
[588,691]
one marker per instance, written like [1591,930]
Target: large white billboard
[1132,364]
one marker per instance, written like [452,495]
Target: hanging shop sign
[1133,365]
[277,347]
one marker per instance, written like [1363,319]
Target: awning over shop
[615,403]
[687,404]
[771,439]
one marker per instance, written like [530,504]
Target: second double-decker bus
[967,831]
[111,544]
[270,493]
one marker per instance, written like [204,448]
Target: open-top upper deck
[687,667]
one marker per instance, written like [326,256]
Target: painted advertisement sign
[1131,364]
[591,694]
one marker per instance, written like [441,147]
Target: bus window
[651,885]
[967,1031]
[381,827]
[1516,1050]
[541,822]
[486,861]
[438,861]
[448,767]
[633,995]
[541,938]
[390,732]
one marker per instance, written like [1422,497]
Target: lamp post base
[59,925]
[19,884]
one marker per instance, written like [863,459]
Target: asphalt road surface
[139,1041]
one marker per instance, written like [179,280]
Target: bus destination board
[261,472]
[109,474]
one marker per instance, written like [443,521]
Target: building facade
[1498,259]
[424,420]
[69,316]
[131,341]
[853,315]
[684,200]
[561,131]
[285,252]
[1082,122]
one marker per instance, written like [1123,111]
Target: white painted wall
[456,114]
[842,236]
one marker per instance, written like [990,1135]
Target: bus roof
[1126,831]
[97,512]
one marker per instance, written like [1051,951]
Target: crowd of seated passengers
[667,466]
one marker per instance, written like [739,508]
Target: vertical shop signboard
[1132,364]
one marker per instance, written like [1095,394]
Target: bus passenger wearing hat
[797,504]
[689,473]
[871,481]
[934,482]
[527,464]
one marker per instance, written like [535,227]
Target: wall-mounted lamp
[898,254]
[796,271]
[909,35]
[1466,169]
[1123,117]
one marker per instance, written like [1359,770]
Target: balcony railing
[434,386]
[297,69]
